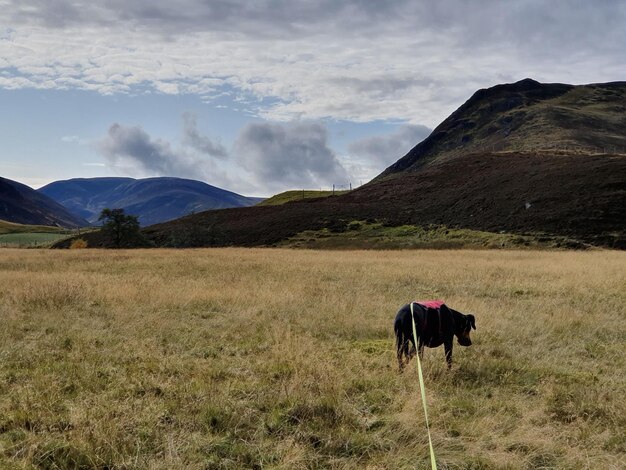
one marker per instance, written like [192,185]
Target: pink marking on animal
[430,303]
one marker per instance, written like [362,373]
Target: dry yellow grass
[235,358]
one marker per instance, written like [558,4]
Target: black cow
[436,324]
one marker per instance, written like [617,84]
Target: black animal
[436,324]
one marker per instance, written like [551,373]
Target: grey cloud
[276,156]
[386,149]
[261,17]
[557,24]
[359,60]
[380,86]
[131,149]
[283,156]
[199,142]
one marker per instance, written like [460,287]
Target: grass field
[32,239]
[270,358]
[10,227]
[19,235]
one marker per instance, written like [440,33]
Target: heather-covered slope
[23,205]
[527,116]
[576,196]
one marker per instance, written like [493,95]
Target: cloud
[386,149]
[287,156]
[358,60]
[201,143]
[130,149]
[71,139]
[267,156]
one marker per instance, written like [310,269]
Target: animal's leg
[400,350]
[410,351]
[448,348]
[400,354]
[420,349]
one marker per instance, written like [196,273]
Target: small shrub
[337,225]
[79,243]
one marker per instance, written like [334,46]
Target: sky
[262,96]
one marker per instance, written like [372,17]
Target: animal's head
[463,329]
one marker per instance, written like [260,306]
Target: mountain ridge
[531,116]
[153,200]
[23,205]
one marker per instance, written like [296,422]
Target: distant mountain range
[23,205]
[153,200]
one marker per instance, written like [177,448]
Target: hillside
[11,228]
[576,194]
[77,194]
[297,195]
[23,205]
[154,200]
[527,116]
[20,235]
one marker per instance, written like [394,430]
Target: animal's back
[401,318]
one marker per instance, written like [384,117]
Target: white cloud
[74,139]
[355,60]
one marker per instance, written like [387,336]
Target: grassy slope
[296,195]
[10,227]
[364,235]
[233,358]
[18,235]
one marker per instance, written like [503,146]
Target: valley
[232,358]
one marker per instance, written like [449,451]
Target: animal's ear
[472,320]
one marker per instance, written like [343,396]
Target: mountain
[527,116]
[578,197]
[153,200]
[23,205]
[529,159]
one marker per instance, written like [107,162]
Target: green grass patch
[367,235]
[297,195]
[14,235]
[10,227]
[30,239]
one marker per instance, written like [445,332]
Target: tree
[121,229]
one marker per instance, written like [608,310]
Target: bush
[78,244]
